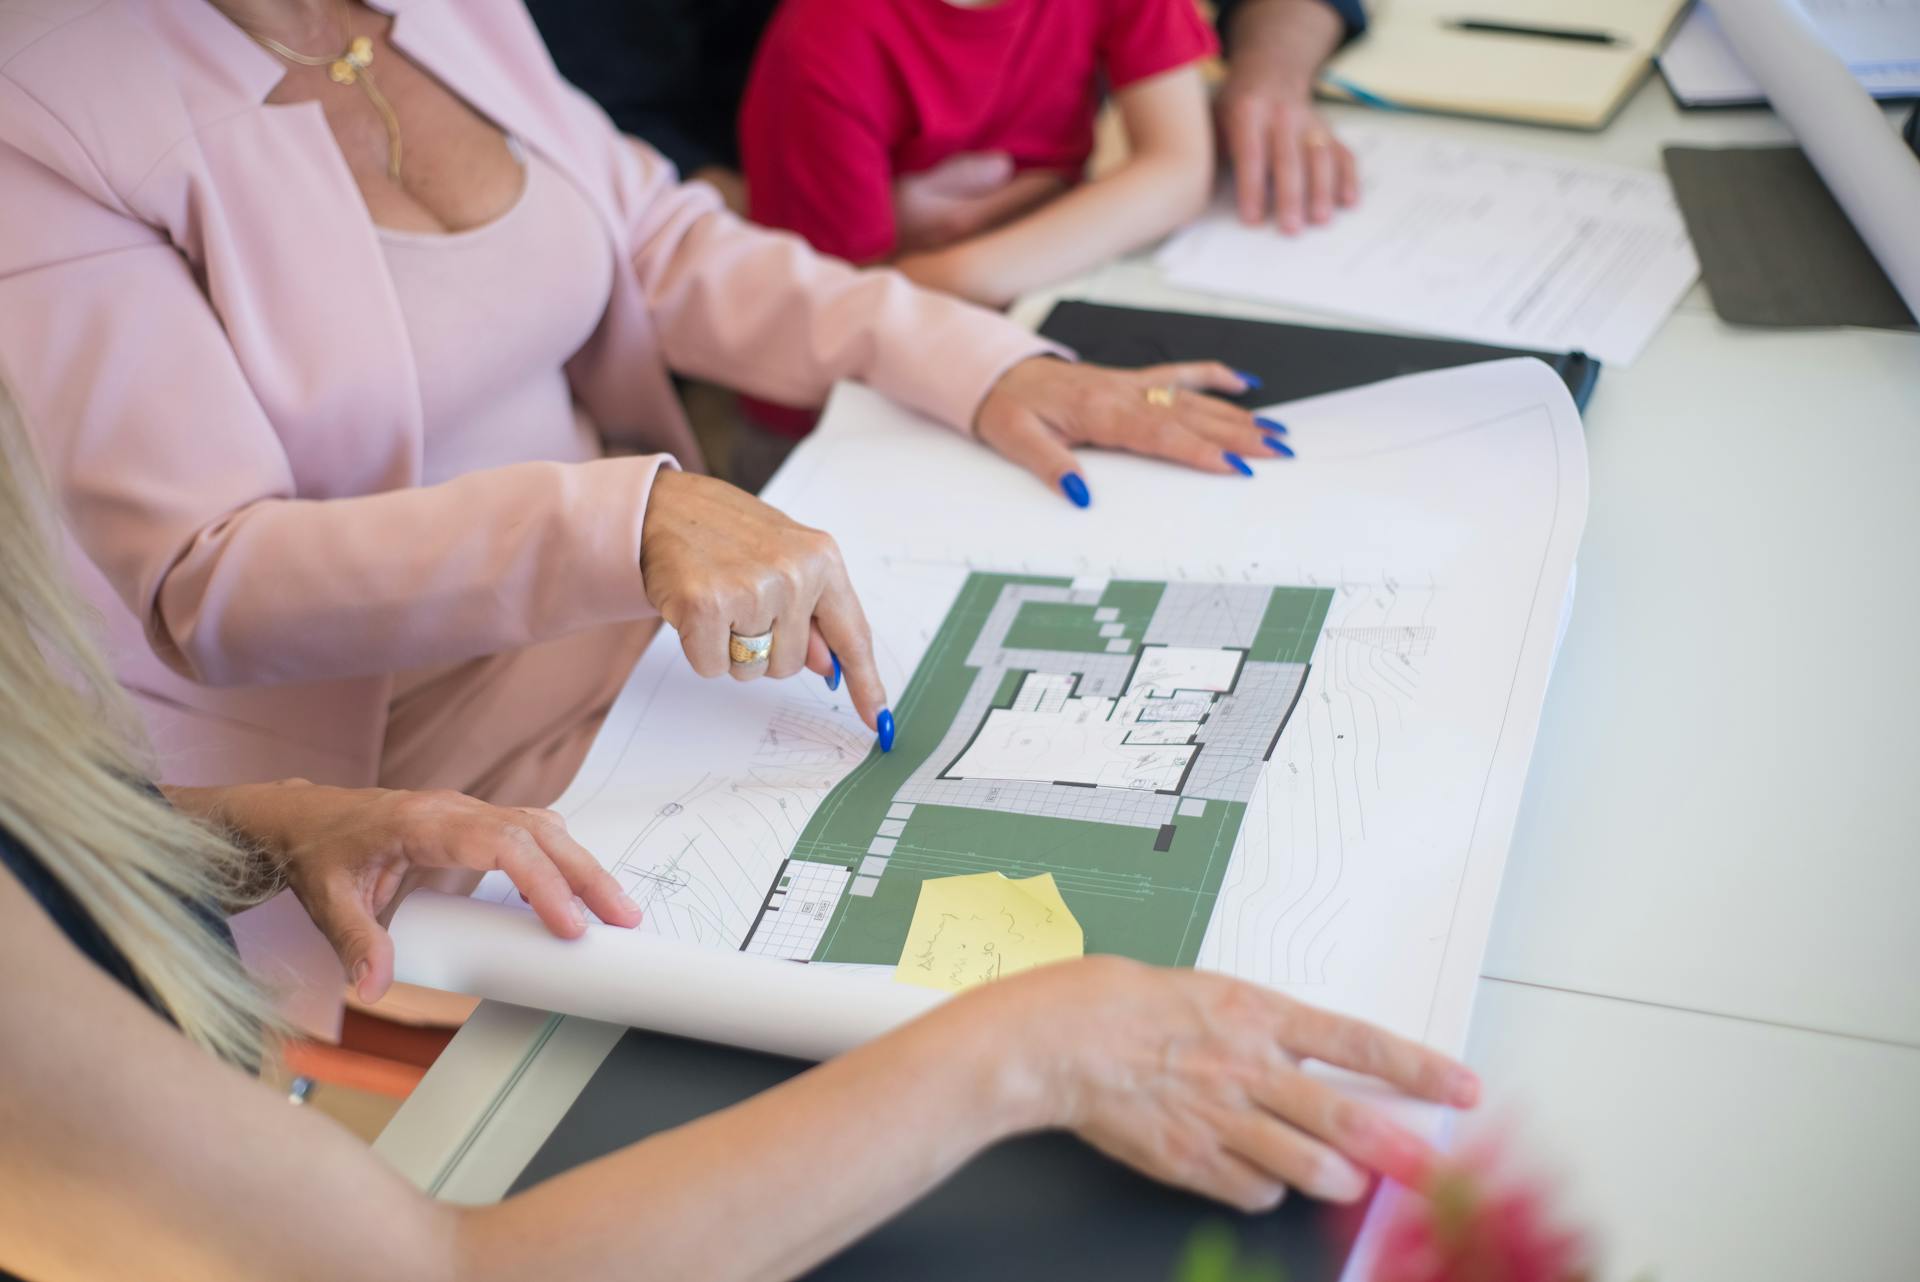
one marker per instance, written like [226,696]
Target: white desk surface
[1702,1003]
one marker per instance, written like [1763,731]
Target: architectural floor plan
[1282,738]
[1110,732]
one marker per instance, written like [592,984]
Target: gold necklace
[352,66]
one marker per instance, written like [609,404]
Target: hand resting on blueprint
[1042,407]
[346,853]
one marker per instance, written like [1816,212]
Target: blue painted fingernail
[1273,425]
[833,682]
[1239,464]
[886,729]
[1279,447]
[1251,380]
[1074,486]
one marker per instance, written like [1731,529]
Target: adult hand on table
[1196,1079]
[1286,162]
[345,852]
[724,569]
[1042,407]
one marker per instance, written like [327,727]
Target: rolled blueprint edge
[1871,172]
[644,980]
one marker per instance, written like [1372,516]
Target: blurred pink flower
[1468,1224]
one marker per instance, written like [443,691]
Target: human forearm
[1285,41]
[110,1117]
[297,590]
[1144,199]
[810,1166]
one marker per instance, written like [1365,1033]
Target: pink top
[493,314]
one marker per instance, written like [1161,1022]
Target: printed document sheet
[1491,244]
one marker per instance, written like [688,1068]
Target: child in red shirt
[848,95]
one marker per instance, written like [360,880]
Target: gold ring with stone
[1161,396]
[747,651]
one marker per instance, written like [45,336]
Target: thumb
[1024,439]
[361,943]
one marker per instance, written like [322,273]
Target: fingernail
[886,729]
[360,969]
[1278,446]
[577,915]
[833,682]
[626,902]
[1273,425]
[1075,488]
[1237,463]
[1463,1088]
[1340,1180]
[1251,380]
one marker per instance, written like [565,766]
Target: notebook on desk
[1552,62]
[1291,361]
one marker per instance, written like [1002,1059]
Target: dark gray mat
[1291,361]
[1775,248]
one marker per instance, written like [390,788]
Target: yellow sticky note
[967,930]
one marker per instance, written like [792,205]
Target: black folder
[1291,361]
[1044,1207]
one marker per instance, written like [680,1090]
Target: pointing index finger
[844,625]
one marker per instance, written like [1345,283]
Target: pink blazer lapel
[265,205]
[437,37]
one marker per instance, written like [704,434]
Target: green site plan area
[1110,732]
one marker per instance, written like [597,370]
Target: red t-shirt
[846,95]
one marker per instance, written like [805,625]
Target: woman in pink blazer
[321,315]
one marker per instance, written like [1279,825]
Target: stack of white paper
[1491,244]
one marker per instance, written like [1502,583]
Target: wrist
[253,818]
[1281,44]
[1006,1061]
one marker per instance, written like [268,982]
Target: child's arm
[1164,182]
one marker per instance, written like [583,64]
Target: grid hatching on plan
[1212,615]
[1235,738]
[797,916]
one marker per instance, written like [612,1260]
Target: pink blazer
[198,323]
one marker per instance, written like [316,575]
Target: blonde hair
[75,793]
